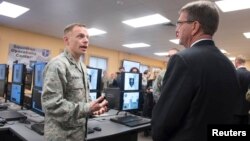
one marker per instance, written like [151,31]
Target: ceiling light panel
[136,45]
[247,35]
[95,32]
[175,41]
[12,10]
[147,21]
[233,5]
[161,53]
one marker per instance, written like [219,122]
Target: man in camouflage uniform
[65,96]
[159,79]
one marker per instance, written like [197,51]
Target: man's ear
[196,27]
[65,40]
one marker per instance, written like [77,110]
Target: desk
[110,130]
[20,132]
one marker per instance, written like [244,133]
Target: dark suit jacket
[244,81]
[244,78]
[200,88]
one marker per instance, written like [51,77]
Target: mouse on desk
[2,121]
[97,128]
[25,121]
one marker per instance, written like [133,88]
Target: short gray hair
[205,12]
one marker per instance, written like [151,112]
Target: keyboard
[90,130]
[130,120]
[125,119]
[138,122]
[3,107]
[39,128]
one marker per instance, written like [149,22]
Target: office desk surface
[109,129]
[23,131]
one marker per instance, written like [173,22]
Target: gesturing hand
[99,106]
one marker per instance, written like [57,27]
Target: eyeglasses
[182,22]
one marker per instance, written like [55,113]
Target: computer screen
[129,64]
[38,74]
[123,100]
[36,104]
[2,88]
[18,73]
[3,68]
[130,81]
[93,95]
[130,101]
[17,94]
[94,76]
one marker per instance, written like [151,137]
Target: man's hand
[99,106]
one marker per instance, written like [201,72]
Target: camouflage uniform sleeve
[53,102]
[248,95]
[157,85]
[156,91]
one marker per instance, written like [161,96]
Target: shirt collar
[199,41]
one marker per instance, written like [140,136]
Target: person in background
[248,96]
[117,81]
[65,96]
[200,86]
[244,81]
[105,80]
[145,77]
[134,69]
[157,84]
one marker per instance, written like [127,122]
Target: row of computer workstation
[18,108]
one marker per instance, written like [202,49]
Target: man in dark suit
[200,86]
[244,81]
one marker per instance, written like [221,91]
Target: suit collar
[241,68]
[204,42]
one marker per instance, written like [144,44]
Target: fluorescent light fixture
[147,21]
[136,45]
[175,41]
[231,58]
[224,51]
[12,10]
[233,5]
[161,53]
[95,32]
[247,35]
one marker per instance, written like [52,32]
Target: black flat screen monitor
[130,81]
[129,64]
[38,74]
[93,95]
[3,71]
[36,104]
[2,88]
[94,76]
[123,100]
[18,73]
[17,94]
[130,101]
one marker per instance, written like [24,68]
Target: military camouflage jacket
[65,99]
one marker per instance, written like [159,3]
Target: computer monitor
[123,100]
[36,104]
[18,73]
[94,76]
[3,71]
[127,64]
[17,94]
[130,101]
[93,95]
[2,88]
[130,81]
[38,74]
